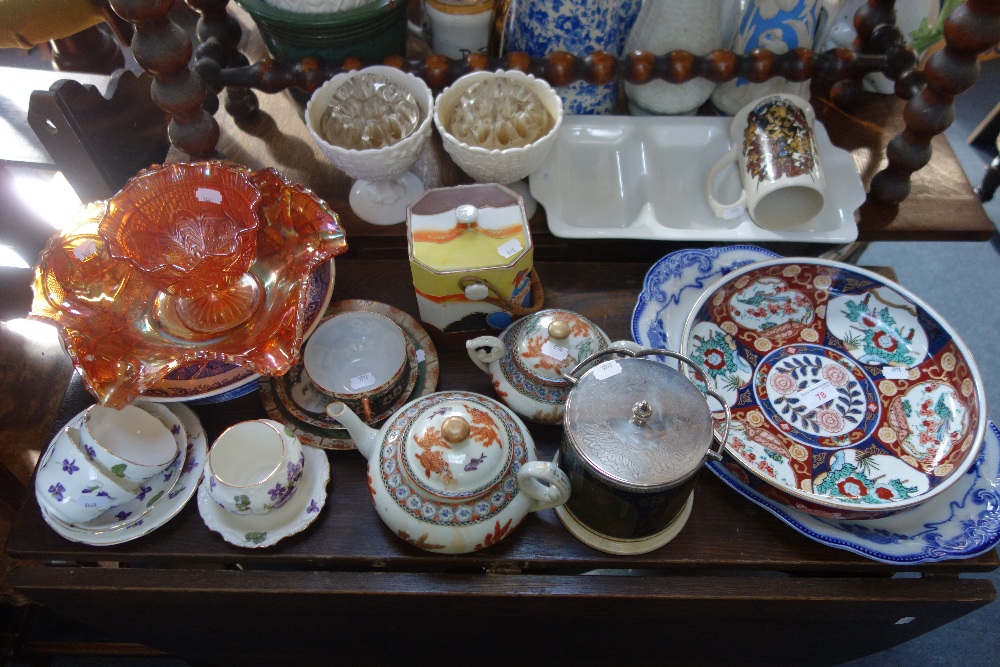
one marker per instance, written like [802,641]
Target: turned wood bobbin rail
[189,95]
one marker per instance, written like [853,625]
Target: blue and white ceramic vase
[580,27]
[778,26]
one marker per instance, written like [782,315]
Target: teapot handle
[545,483]
[484,357]
[719,440]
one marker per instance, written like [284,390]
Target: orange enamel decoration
[189,262]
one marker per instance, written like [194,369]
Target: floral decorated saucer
[151,492]
[284,403]
[962,522]
[264,530]
[850,397]
[142,522]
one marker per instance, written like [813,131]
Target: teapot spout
[364,436]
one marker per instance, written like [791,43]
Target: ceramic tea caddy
[453,472]
[636,433]
[470,256]
[526,361]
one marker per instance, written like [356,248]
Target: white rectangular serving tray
[644,178]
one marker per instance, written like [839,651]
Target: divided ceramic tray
[644,178]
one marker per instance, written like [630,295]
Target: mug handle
[545,483]
[483,358]
[724,211]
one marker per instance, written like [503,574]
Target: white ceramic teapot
[453,472]
[526,361]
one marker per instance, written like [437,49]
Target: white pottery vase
[663,26]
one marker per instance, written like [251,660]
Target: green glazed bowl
[370,32]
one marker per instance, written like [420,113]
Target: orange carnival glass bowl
[189,264]
[191,229]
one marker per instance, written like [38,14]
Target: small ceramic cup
[130,444]
[774,148]
[72,488]
[359,358]
[254,467]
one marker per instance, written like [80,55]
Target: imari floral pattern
[420,478]
[962,522]
[860,401]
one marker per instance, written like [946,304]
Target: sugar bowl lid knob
[558,330]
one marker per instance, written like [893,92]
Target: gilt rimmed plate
[165,509]
[850,397]
[314,427]
[962,522]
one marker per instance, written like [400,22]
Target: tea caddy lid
[638,424]
[463,227]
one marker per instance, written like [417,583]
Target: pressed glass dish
[114,314]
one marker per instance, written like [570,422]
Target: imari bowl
[850,397]
[115,281]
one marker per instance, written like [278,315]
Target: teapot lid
[639,424]
[548,342]
[453,448]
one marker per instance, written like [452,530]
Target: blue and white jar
[778,26]
[580,27]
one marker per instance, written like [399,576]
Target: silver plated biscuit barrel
[636,433]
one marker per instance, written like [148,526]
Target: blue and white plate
[962,522]
[674,283]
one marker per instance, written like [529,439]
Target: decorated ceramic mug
[783,184]
[254,467]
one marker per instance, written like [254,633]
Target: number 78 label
[816,395]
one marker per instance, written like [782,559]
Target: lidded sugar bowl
[453,472]
[636,433]
[525,363]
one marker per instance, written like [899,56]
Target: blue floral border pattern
[958,524]
[672,267]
